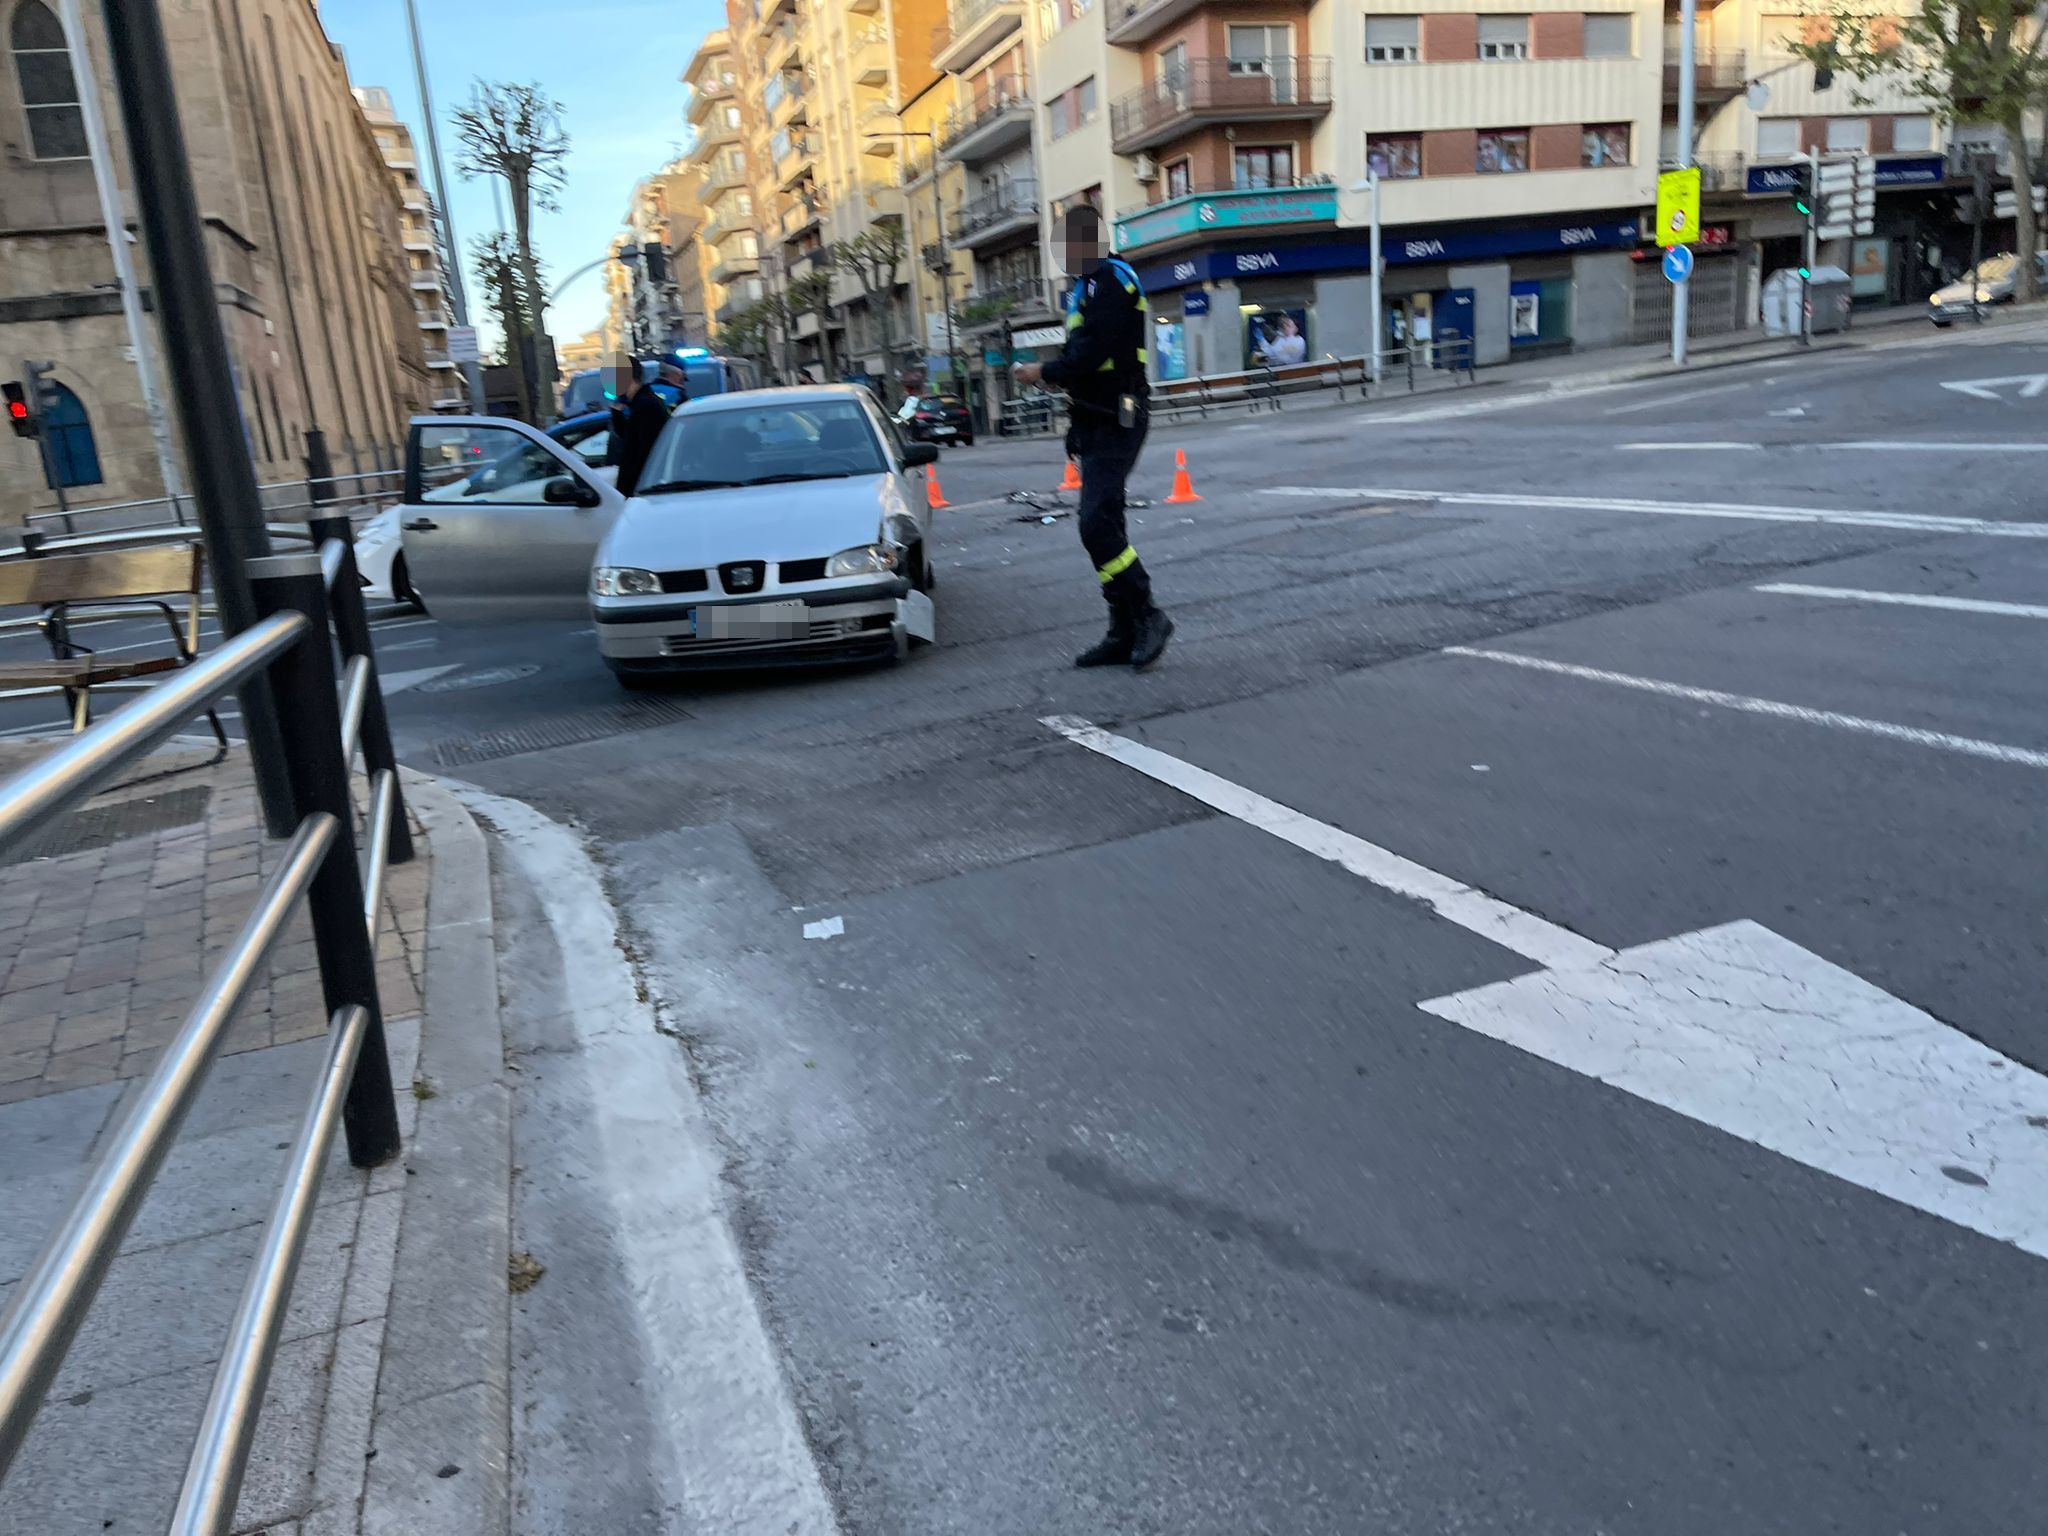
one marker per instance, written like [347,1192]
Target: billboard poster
[1276,338]
[1170,348]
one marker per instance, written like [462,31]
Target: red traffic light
[18,409]
[19,416]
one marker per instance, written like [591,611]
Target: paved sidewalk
[384,1411]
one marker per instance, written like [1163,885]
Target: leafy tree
[515,131]
[1967,61]
[812,294]
[873,256]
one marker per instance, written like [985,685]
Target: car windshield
[1996,269]
[763,445]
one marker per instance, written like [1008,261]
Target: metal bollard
[302,681]
[352,630]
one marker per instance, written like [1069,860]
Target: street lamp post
[943,266]
[1377,260]
[472,372]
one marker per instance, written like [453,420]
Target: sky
[612,64]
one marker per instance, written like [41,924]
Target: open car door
[500,522]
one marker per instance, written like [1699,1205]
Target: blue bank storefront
[1493,289]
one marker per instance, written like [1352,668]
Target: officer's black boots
[1148,644]
[1114,648]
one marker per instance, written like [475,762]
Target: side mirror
[916,455]
[568,491]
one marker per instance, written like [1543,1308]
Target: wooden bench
[102,585]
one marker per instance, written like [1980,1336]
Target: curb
[440,1457]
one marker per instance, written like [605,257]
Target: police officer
[1103,373]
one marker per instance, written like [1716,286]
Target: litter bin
[1828,297]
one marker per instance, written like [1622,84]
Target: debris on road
[825,928]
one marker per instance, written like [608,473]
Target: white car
[381,563]
[770,527]
[1994,284]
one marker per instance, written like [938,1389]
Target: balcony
[424,282]
[1009,210]
[1207,212]
[1717,76]
[723,176]
[871,55]
[998,119]
[728,221]
[1220,91]
[437,357]
[864,7]
[773,11]
[727,266]
[785,47]
[429,319]
[1015,299]
[971,29]
[878,117]
[713,90]
[1131,22]
[801,218]
[715,134]
[785,97]
[793,164]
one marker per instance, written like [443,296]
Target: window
[1394,157]
[1604,144]
[1503,37]
[1610,36]
[74,458]
[1392,39]
[1257,169]
[1177,182]
[827,440]
[1503,151]
[484,466]
[1084,102]
[732,117]
[1072,108]
[1912,133]
[1173,68]
[49,95]
[1848,133]
[1777,138]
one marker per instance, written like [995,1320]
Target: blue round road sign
[1678,263]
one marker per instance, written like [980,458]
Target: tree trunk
[2021,171]
[521,190]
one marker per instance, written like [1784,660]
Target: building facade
[727,247]
[303,228]
[426,263]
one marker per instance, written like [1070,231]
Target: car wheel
[402,587]
[967,441]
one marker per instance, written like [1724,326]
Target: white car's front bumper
[677,633]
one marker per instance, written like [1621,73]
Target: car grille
[802,570]
[744,577]
[684,581]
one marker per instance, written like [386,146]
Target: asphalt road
[1107,1173]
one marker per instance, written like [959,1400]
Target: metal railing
[1295,85]
[336,493]
[965,17]
[1010,94]
[1013,200]
[1719,72]
[308,605]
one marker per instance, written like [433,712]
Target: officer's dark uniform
[1104,363]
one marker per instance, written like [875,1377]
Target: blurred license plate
[754,621]
[942,431]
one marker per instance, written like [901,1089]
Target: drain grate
[100,826]
[559,731]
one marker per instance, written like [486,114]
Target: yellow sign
[1678,206]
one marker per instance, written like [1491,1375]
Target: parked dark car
[940,418]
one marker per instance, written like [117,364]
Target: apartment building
[940,271]
[1003,216]
[728,241]
[302,229]
[418,236]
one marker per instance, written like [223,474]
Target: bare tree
[812,294]
[495,260]
[873,256]
[515,131]
[1968,61]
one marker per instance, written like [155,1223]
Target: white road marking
[2030,385]
[398,682]
[825,928]
[1790,410]
[1913,521]
[1968,746]
[1734,1027]
[1658,402]
[1909,600]
[1475,911]
[1691,447]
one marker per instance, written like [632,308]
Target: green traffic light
[1805,273]
[1800,207]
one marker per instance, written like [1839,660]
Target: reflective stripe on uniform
[1117,566]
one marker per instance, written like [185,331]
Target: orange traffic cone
[1073,480]
[933,496]
[1183,487]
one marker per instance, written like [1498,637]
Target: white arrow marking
[2031,384]
[398,682]
[1735,1027]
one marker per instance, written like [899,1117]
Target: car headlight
[623,581]
[1983,295]
[868,560]
[1935,301]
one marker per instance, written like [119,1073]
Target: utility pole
[1375,300]
[458,298]
[116,220]
[226,500]
[1980,187]
[1688,56]
[1812,246]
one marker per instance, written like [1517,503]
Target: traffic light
[19,416]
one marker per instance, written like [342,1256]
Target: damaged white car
[770,527]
